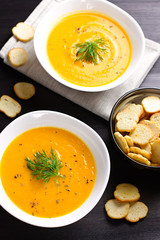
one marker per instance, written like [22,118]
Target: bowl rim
[70,217]
[136,90]
[100,88]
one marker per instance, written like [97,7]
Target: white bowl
[124,19]
[87,134]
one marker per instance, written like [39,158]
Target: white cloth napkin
[99,103]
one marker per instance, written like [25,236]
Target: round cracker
[126,192]
[126,120]
[140,151]
[116,209]
[24,90]
[127,114]
[129,140]
[9,106]
[126,125]
[139,158]
[156,118]
[146,147]
[121,142]
[136,108]
[17,57]
[137,211]
[153,127]
[151,104]
[23,32]
[142,134]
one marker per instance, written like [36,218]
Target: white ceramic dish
[87,134]
[124,19]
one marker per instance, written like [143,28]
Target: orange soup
[82,27]
[56,197]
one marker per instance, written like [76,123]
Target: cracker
[126,192]
[24,90]
[156,118]
[23,32]
[129,141]
[139,158]
[140,151]
[155,149]
[146,147]
[137,108]
[116,209]
[153,127]
[126,125]
[126,120]
[9,106]
[137,211]
[142,134]
[151,104]
[127,114]
[17,57]
[121,142]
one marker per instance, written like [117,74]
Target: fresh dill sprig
[89,51]
[45,167]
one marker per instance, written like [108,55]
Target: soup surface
[52,199]
[78,28]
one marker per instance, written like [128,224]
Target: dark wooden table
[96,225]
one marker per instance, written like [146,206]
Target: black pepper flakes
[32,204]
[68,190]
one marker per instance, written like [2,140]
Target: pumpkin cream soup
[88,49]
[48,172]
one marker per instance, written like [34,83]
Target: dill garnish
[89,51]
[45,167]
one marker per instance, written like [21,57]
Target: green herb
[45,167]
[89,51]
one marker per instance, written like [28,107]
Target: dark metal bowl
[133,96]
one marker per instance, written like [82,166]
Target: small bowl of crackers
[135,127]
